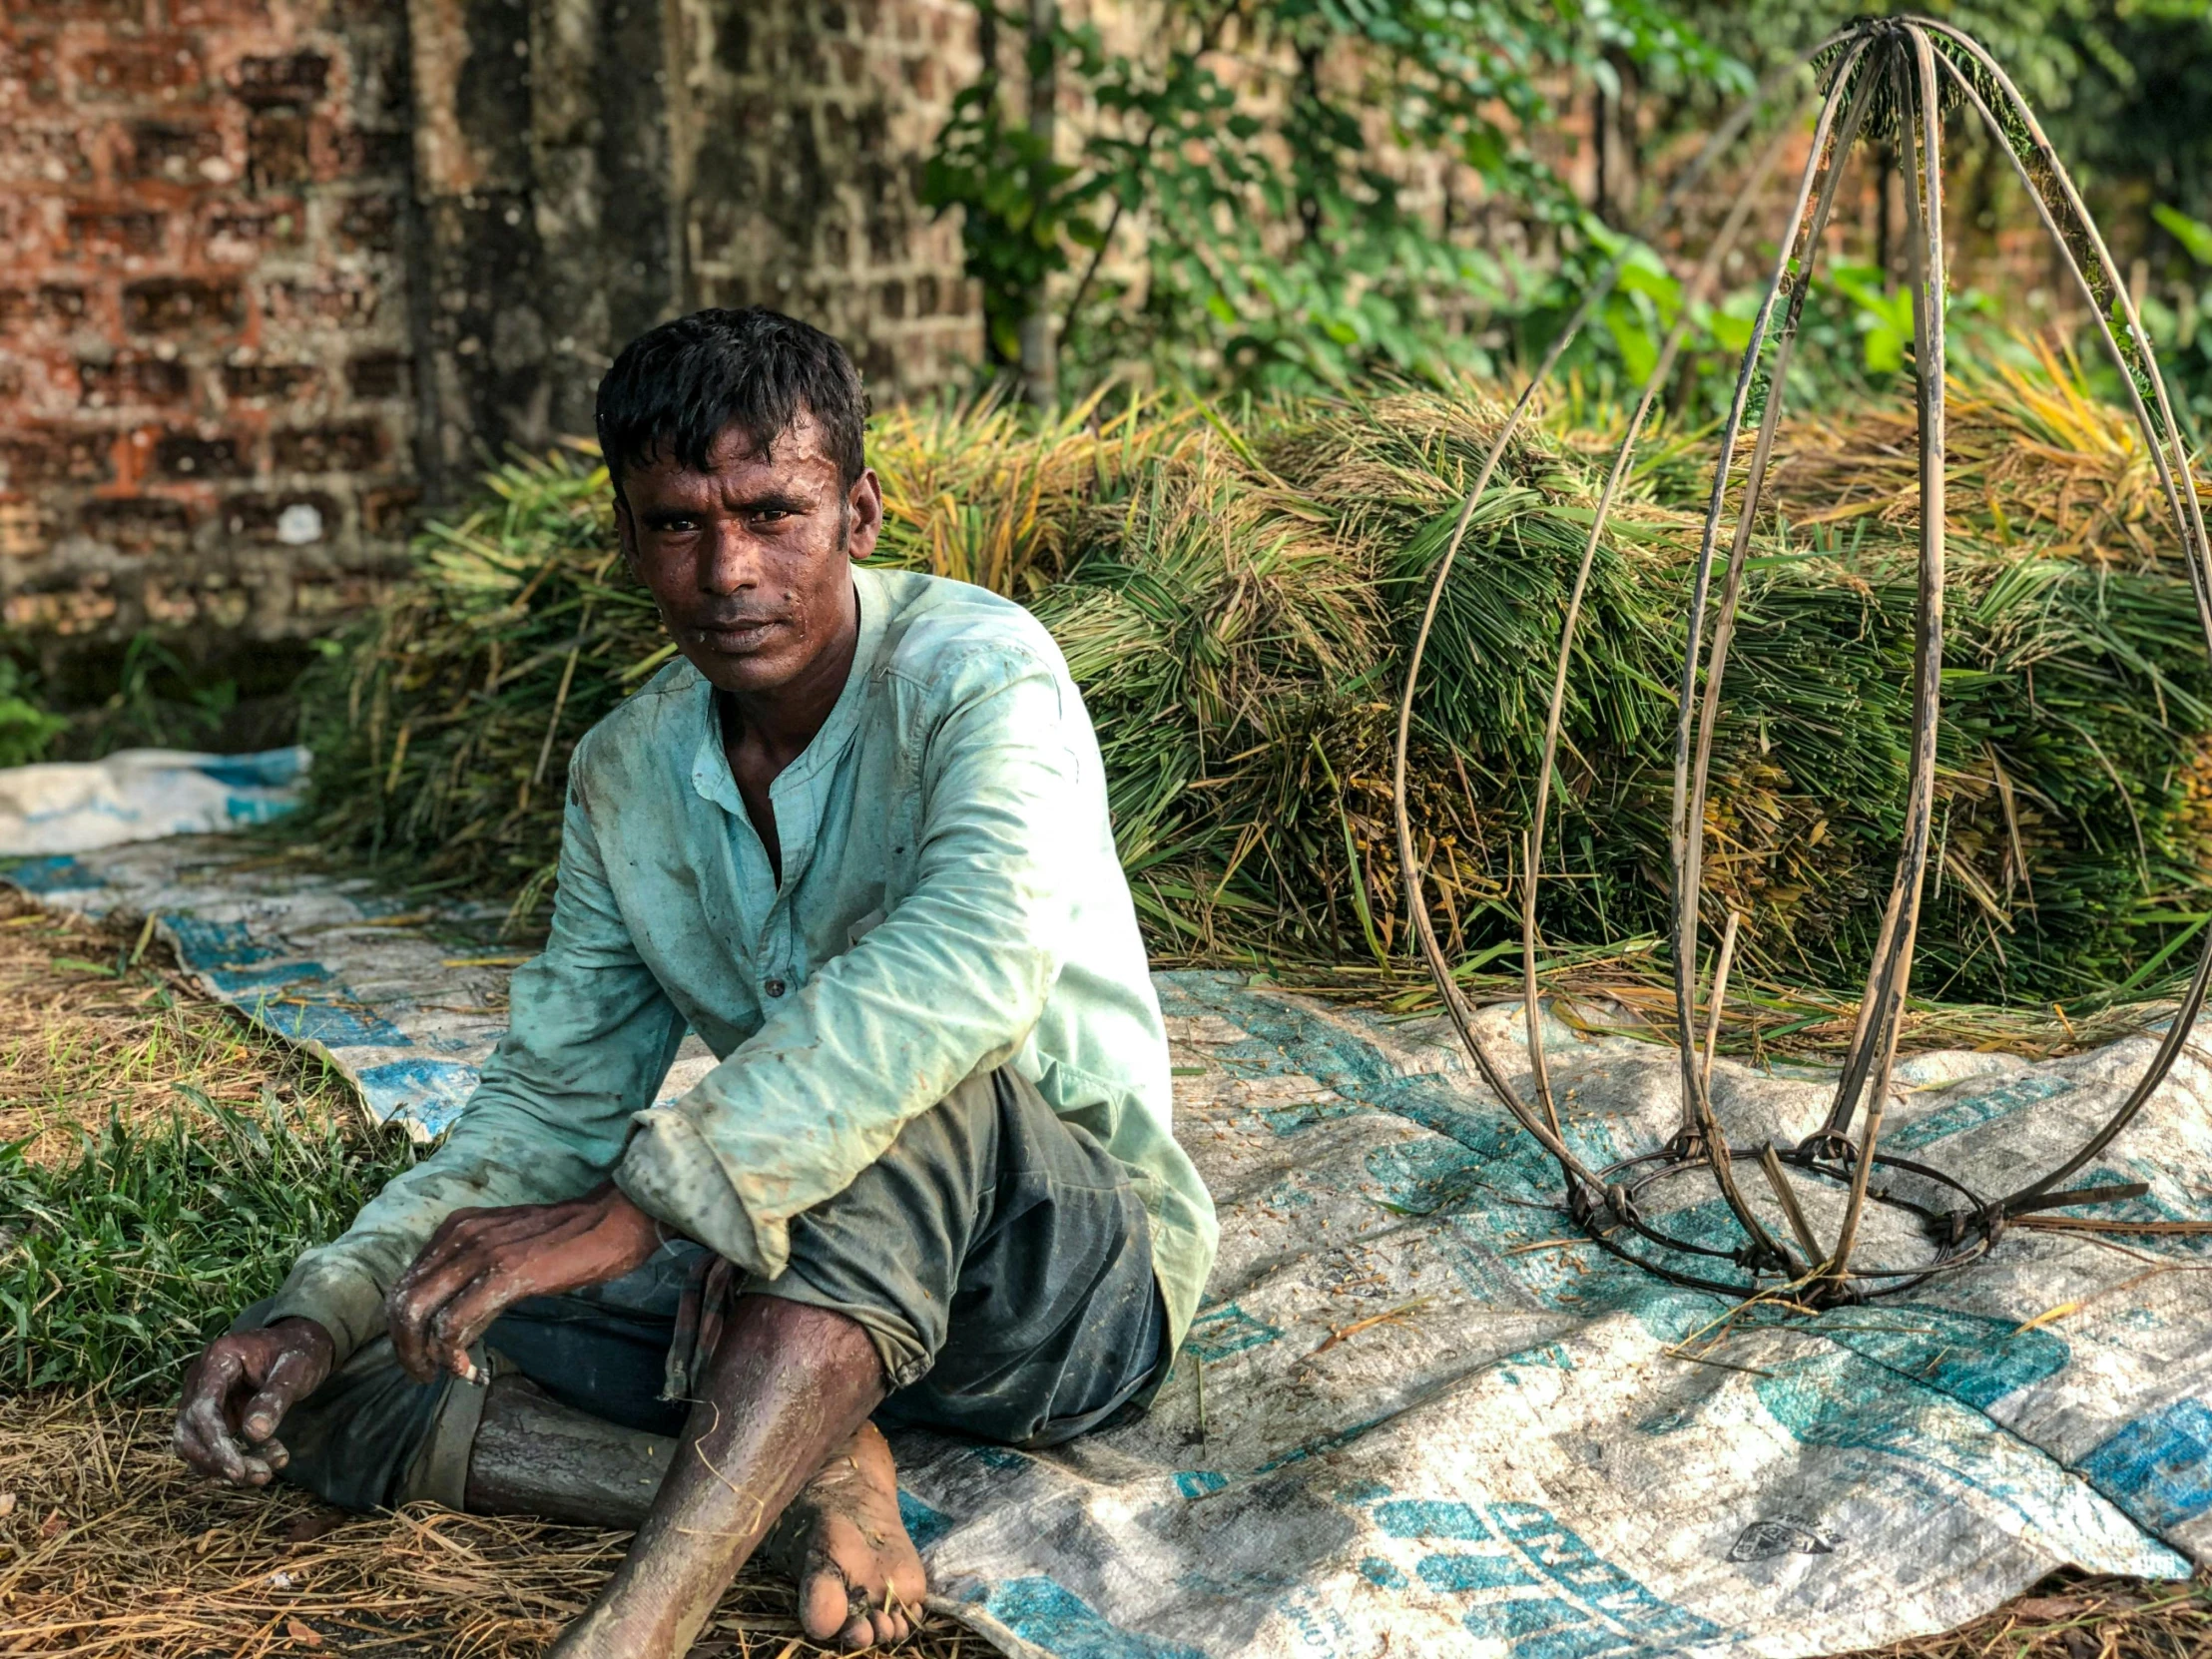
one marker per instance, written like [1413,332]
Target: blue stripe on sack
[1045,1612]
[2159,1468]
[923,1524]
[431,1092]
[214,944]
[57,874]
[332,1024]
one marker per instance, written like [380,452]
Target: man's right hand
[238,1392]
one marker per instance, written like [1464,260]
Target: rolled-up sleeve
[951,981]
[592,1038]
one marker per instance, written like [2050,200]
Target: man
[857,839]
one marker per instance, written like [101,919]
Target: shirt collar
[710,766]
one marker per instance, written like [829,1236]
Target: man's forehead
[737,457]
[796,448]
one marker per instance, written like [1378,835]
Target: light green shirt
[951,902]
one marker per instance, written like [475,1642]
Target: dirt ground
[108,1546]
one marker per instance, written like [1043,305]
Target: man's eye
[770,515]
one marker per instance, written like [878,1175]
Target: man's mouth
[737,634]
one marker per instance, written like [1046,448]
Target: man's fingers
[289,1380]
[203,1428]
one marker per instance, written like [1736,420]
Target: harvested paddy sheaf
[1235,598]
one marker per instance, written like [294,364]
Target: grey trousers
[996,1253]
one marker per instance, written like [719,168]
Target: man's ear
[864,504]
[626,532]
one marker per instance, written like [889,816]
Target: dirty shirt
[950,902]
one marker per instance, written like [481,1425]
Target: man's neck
[775,726]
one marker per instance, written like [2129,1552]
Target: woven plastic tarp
[1417,1413]
[141,795]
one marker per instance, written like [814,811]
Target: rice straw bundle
[1234,599]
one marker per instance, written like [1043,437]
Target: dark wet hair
[675,389]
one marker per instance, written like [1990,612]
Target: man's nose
[729,565]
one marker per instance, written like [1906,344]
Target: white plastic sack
[139,794]
[1420,1413]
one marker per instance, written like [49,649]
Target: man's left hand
[481,1262]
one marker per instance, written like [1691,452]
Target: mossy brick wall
[206,411]
[276,273]
[805,129]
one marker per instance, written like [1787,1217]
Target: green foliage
[26,727]
[119,1265]
[1279,250]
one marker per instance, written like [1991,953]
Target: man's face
[749,559]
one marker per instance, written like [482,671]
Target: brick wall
[805,128]
[206,407]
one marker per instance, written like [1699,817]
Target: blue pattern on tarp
[1042,1611]
[1381,1573]
[1198,1483]
[236,984]
[1472,1573]
[58,873]
[1221,1332]
[1553,1550]
[923,1524]
[256,808]
[1422,1519]
[1956,1117]
[270,769]
[212,944]
[1974,1360]
[332,1024]
[2159,1468]
[431,1092]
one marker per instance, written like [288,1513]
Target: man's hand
[238,1392]
[481,1262]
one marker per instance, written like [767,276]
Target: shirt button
[775,987]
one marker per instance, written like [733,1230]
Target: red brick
[352,446]
[57,455]
[34,156]
[187,456]
[98,230]
[183,305]
[222,14]
[30,61]
[138,524]
[242,234]
[55,304]
[277,149]
[378,374]
[165,68]
[167,150]
[298,78]
[81,11]
[129,380]
[346,298]
[254,517]
[278,381]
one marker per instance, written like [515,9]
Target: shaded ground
[108,1546]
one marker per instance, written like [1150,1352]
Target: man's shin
[788,1386]
[535,1457]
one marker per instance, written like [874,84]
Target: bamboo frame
[1895,73]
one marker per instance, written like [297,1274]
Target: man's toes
[824,1609]
[858,1634]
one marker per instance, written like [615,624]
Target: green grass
[119,1263]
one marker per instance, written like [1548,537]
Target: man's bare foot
[861,1581]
